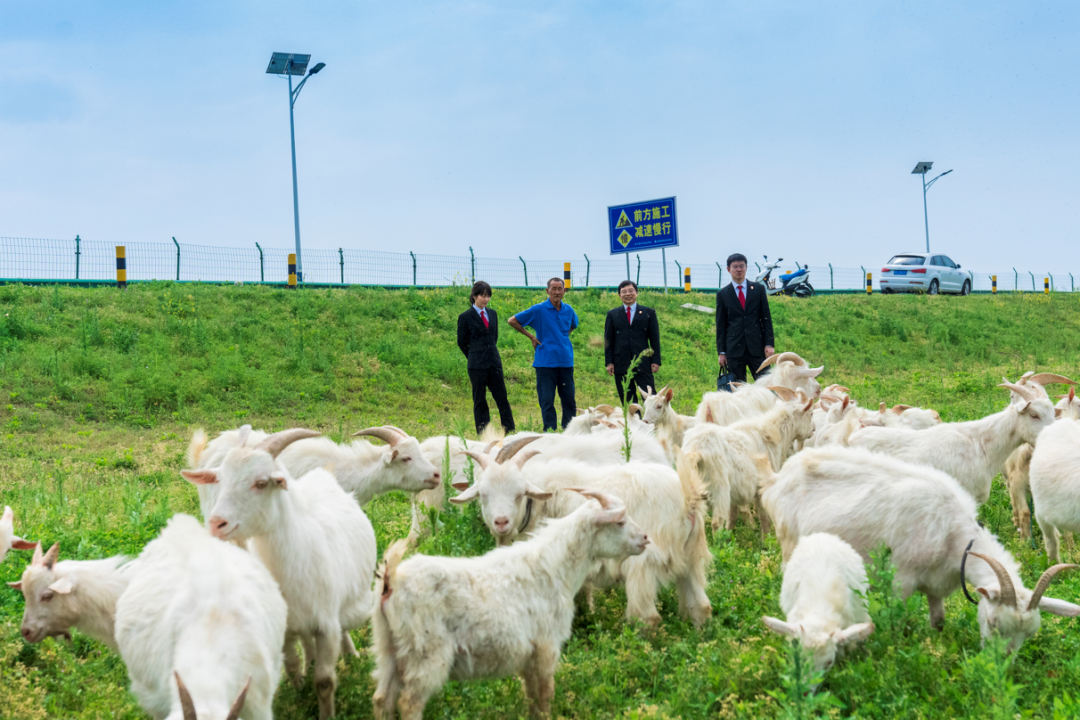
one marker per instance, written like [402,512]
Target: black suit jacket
[743,333]
[478,342]
[623,341]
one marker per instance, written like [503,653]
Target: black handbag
[723,382]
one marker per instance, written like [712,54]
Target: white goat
[743,402]
[670,426]
[868,499]
[601,448]
[508,612]
[201,628]
[823,598]
[791,372]
[79,594]
[726,456]
[313,538]
[972,452]
[1055,483]
[667,503]
[8,539]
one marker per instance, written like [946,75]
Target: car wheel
[966,290]
[933,287]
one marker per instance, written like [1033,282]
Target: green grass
[100,390]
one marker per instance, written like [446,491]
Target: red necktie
[629,320]
[483,316]
[742,298]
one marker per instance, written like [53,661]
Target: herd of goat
[285,564]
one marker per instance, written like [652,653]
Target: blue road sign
[643,226]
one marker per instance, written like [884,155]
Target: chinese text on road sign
[643,226]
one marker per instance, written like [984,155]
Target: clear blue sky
[783,128]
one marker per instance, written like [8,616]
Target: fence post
[292,271]
[588,266]
[758,266]
[1016,280]
[869,283]
[720,277]
[1050,277]
[638,281]
[262,276]
[686,279]
[1072,283]
[177,258]
[831,286]
[77,253]
[1032,281]
[522,265]
[678,266]
[121,267]
[566,281]
[993,284]
[472,265]
[341,259]
[413,268]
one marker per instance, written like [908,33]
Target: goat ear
[1057,413]
[855,633]
[1024,407]
[536,493]
[393,455]
[1058,607]
[460,485]
[808,406]
[469,495]
[64,586]
[779,626]
[524,457]
[991,593]
[669,394]
[19,544]
[279,480]
[16,585]
[200,477]
[605,517]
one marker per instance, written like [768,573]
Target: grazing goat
[927,520]
[667,503]
[313,538]
[201,628]
[791,372]
[1055,483]
[823,598]
[508,612]
[726,456]
[8,539]
[79,594]
[743,402]
[971,452]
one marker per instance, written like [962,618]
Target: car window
[906,260]
[936,260]
[947,262]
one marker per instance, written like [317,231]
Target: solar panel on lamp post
[921,169]
[290,64]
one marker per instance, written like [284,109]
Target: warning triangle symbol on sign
[623,220]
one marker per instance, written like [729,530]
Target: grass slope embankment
[101,389]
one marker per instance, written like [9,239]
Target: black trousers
[738,366]
[550,380]
[490,379]
[643,378]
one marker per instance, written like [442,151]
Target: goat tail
[388,682]
[766,475]
[492,433]
[196,448]
[696,548]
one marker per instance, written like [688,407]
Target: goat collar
[528,515]
[963,581]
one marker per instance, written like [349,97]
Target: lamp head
[317,68]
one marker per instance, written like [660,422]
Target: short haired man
[629,330]
[553,357]
[744,331]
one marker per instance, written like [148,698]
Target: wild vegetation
[101,389]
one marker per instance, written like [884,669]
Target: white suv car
[930,273]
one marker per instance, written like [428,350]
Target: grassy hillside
[100,390]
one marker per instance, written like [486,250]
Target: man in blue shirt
[553,321]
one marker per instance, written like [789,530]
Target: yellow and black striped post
[993,284]
[566,275]
[1046,285]
[869,283]
[292,271]
[686,279]
[121,267]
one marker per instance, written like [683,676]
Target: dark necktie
[629,320]
[742,298]
[483,316]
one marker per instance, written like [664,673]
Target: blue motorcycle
[795,283]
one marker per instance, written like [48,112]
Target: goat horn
[281,440]
[483,460]
[1024,392]
[1044,583]
[635,408]
[606,409]
[790,357]
[508,451]
[384,433]
[185,699]
[785,394]
[397,429]
[605,500]
[900,408]
[238,704]
[768,361]
[1008,593]
[1026,375]
[493,443]
[1049,378]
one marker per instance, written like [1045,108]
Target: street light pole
[296,194]
[925,214]
[921,169]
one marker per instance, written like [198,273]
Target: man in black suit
[628,330]
[477,335]
[744,332]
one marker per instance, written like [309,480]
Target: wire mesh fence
[34,259]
